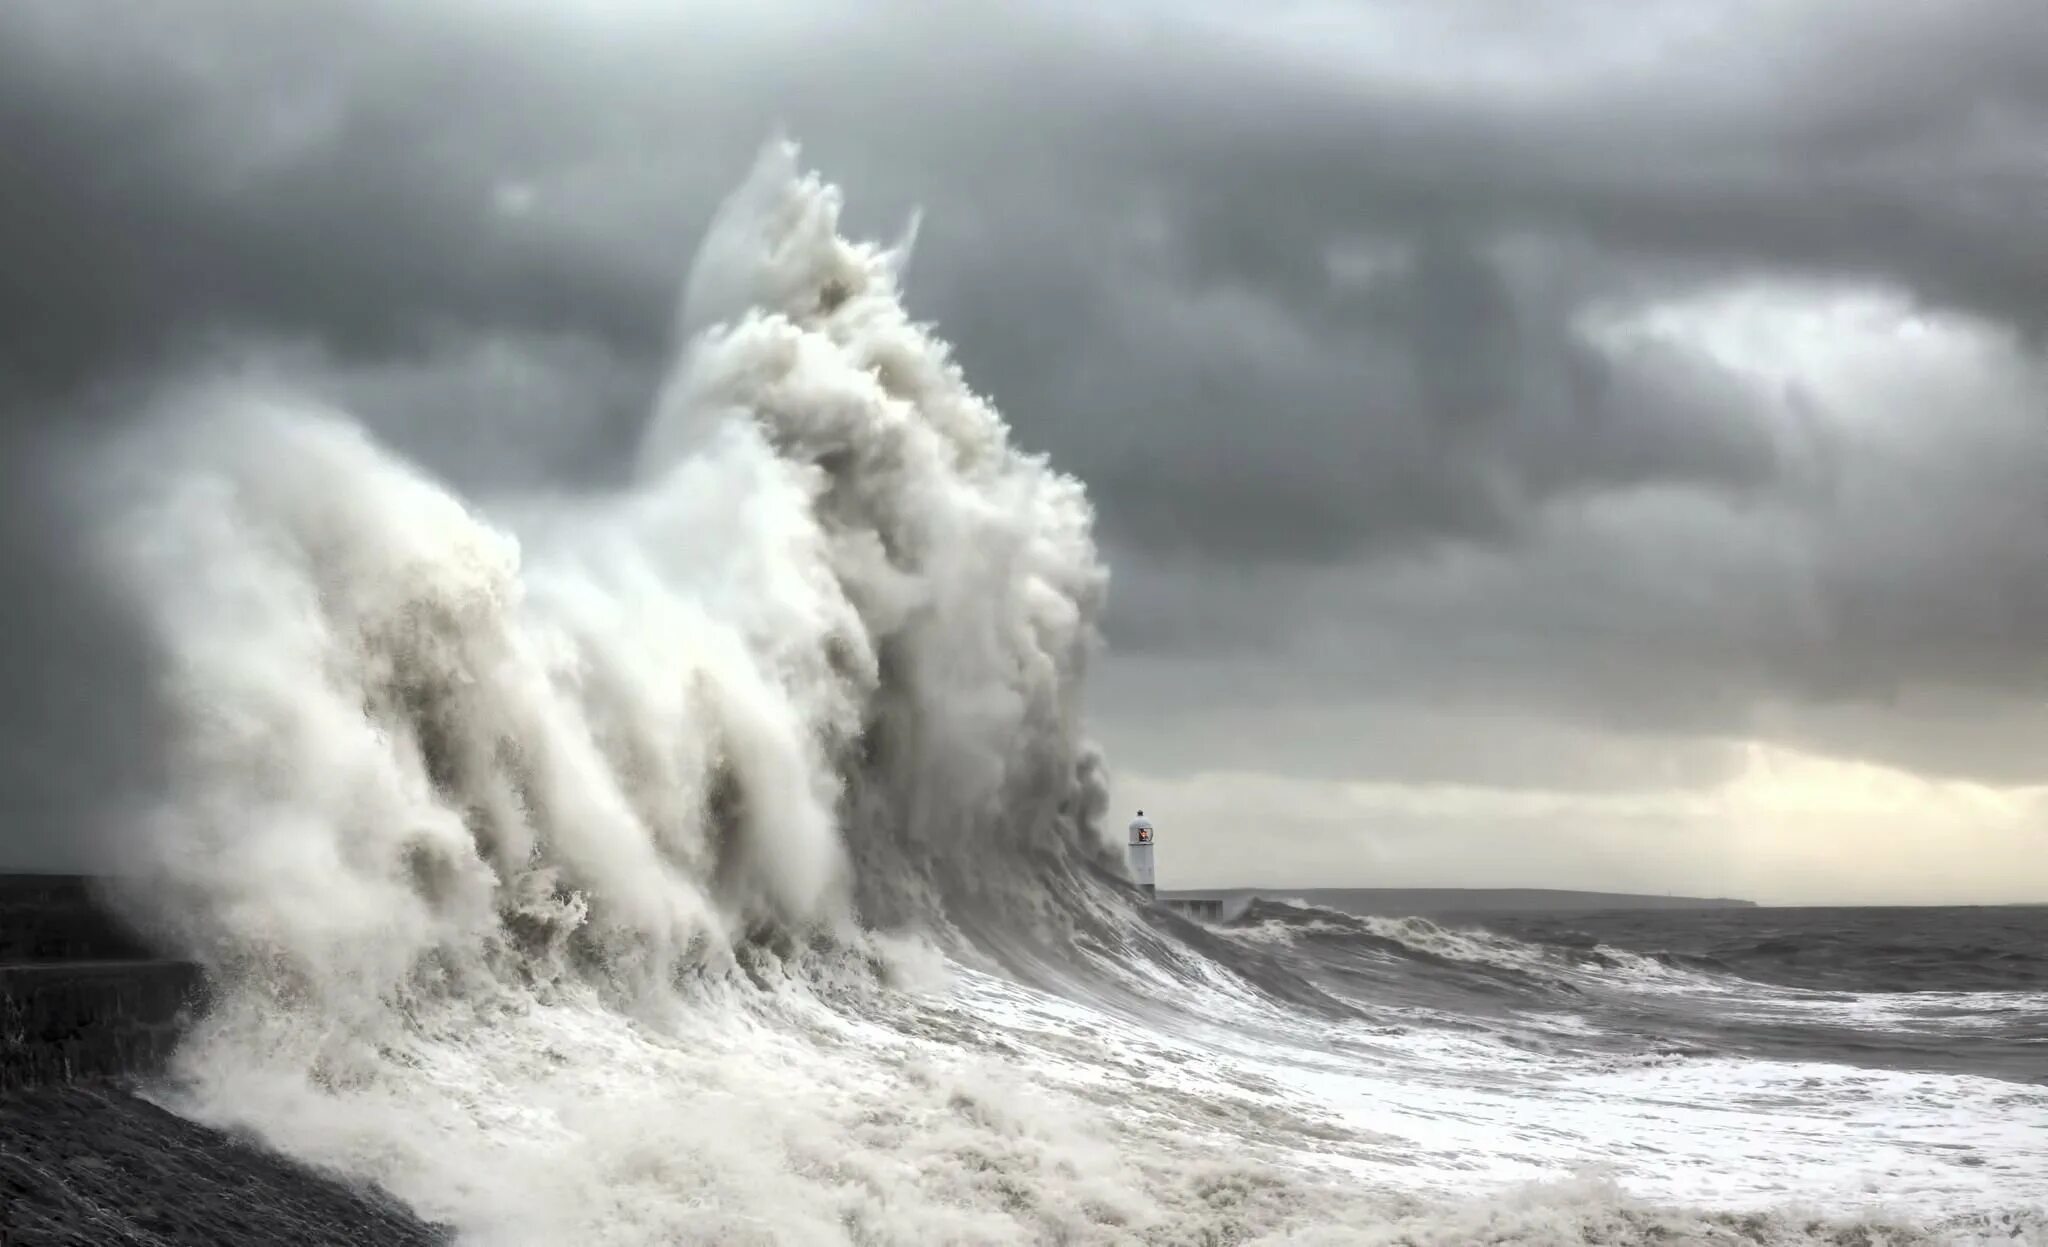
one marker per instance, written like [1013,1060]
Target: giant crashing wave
[650,867]
[818,669]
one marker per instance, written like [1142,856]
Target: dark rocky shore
[96,1166]
[88,1014]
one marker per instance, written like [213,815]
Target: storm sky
[1571,445]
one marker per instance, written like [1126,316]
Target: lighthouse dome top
[1141,829]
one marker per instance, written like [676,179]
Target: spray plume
[818,667]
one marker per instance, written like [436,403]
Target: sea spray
[821,661]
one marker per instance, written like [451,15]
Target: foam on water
[718,859]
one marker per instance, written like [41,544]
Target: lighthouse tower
[1140,850]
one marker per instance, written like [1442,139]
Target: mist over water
[720,859]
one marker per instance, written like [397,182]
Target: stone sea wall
[81,997]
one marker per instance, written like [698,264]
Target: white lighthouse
[1140,849]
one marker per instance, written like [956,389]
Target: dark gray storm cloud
[1318,299]
[76,737]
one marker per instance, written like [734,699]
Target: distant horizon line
[1727,901]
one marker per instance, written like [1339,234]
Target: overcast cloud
[1518,435]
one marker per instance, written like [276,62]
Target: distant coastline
[1408,901]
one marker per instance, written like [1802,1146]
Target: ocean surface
[720,857]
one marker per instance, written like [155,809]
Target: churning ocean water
[719,858]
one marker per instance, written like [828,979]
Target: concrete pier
[84,1009]
[1200,908]
[81,996]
